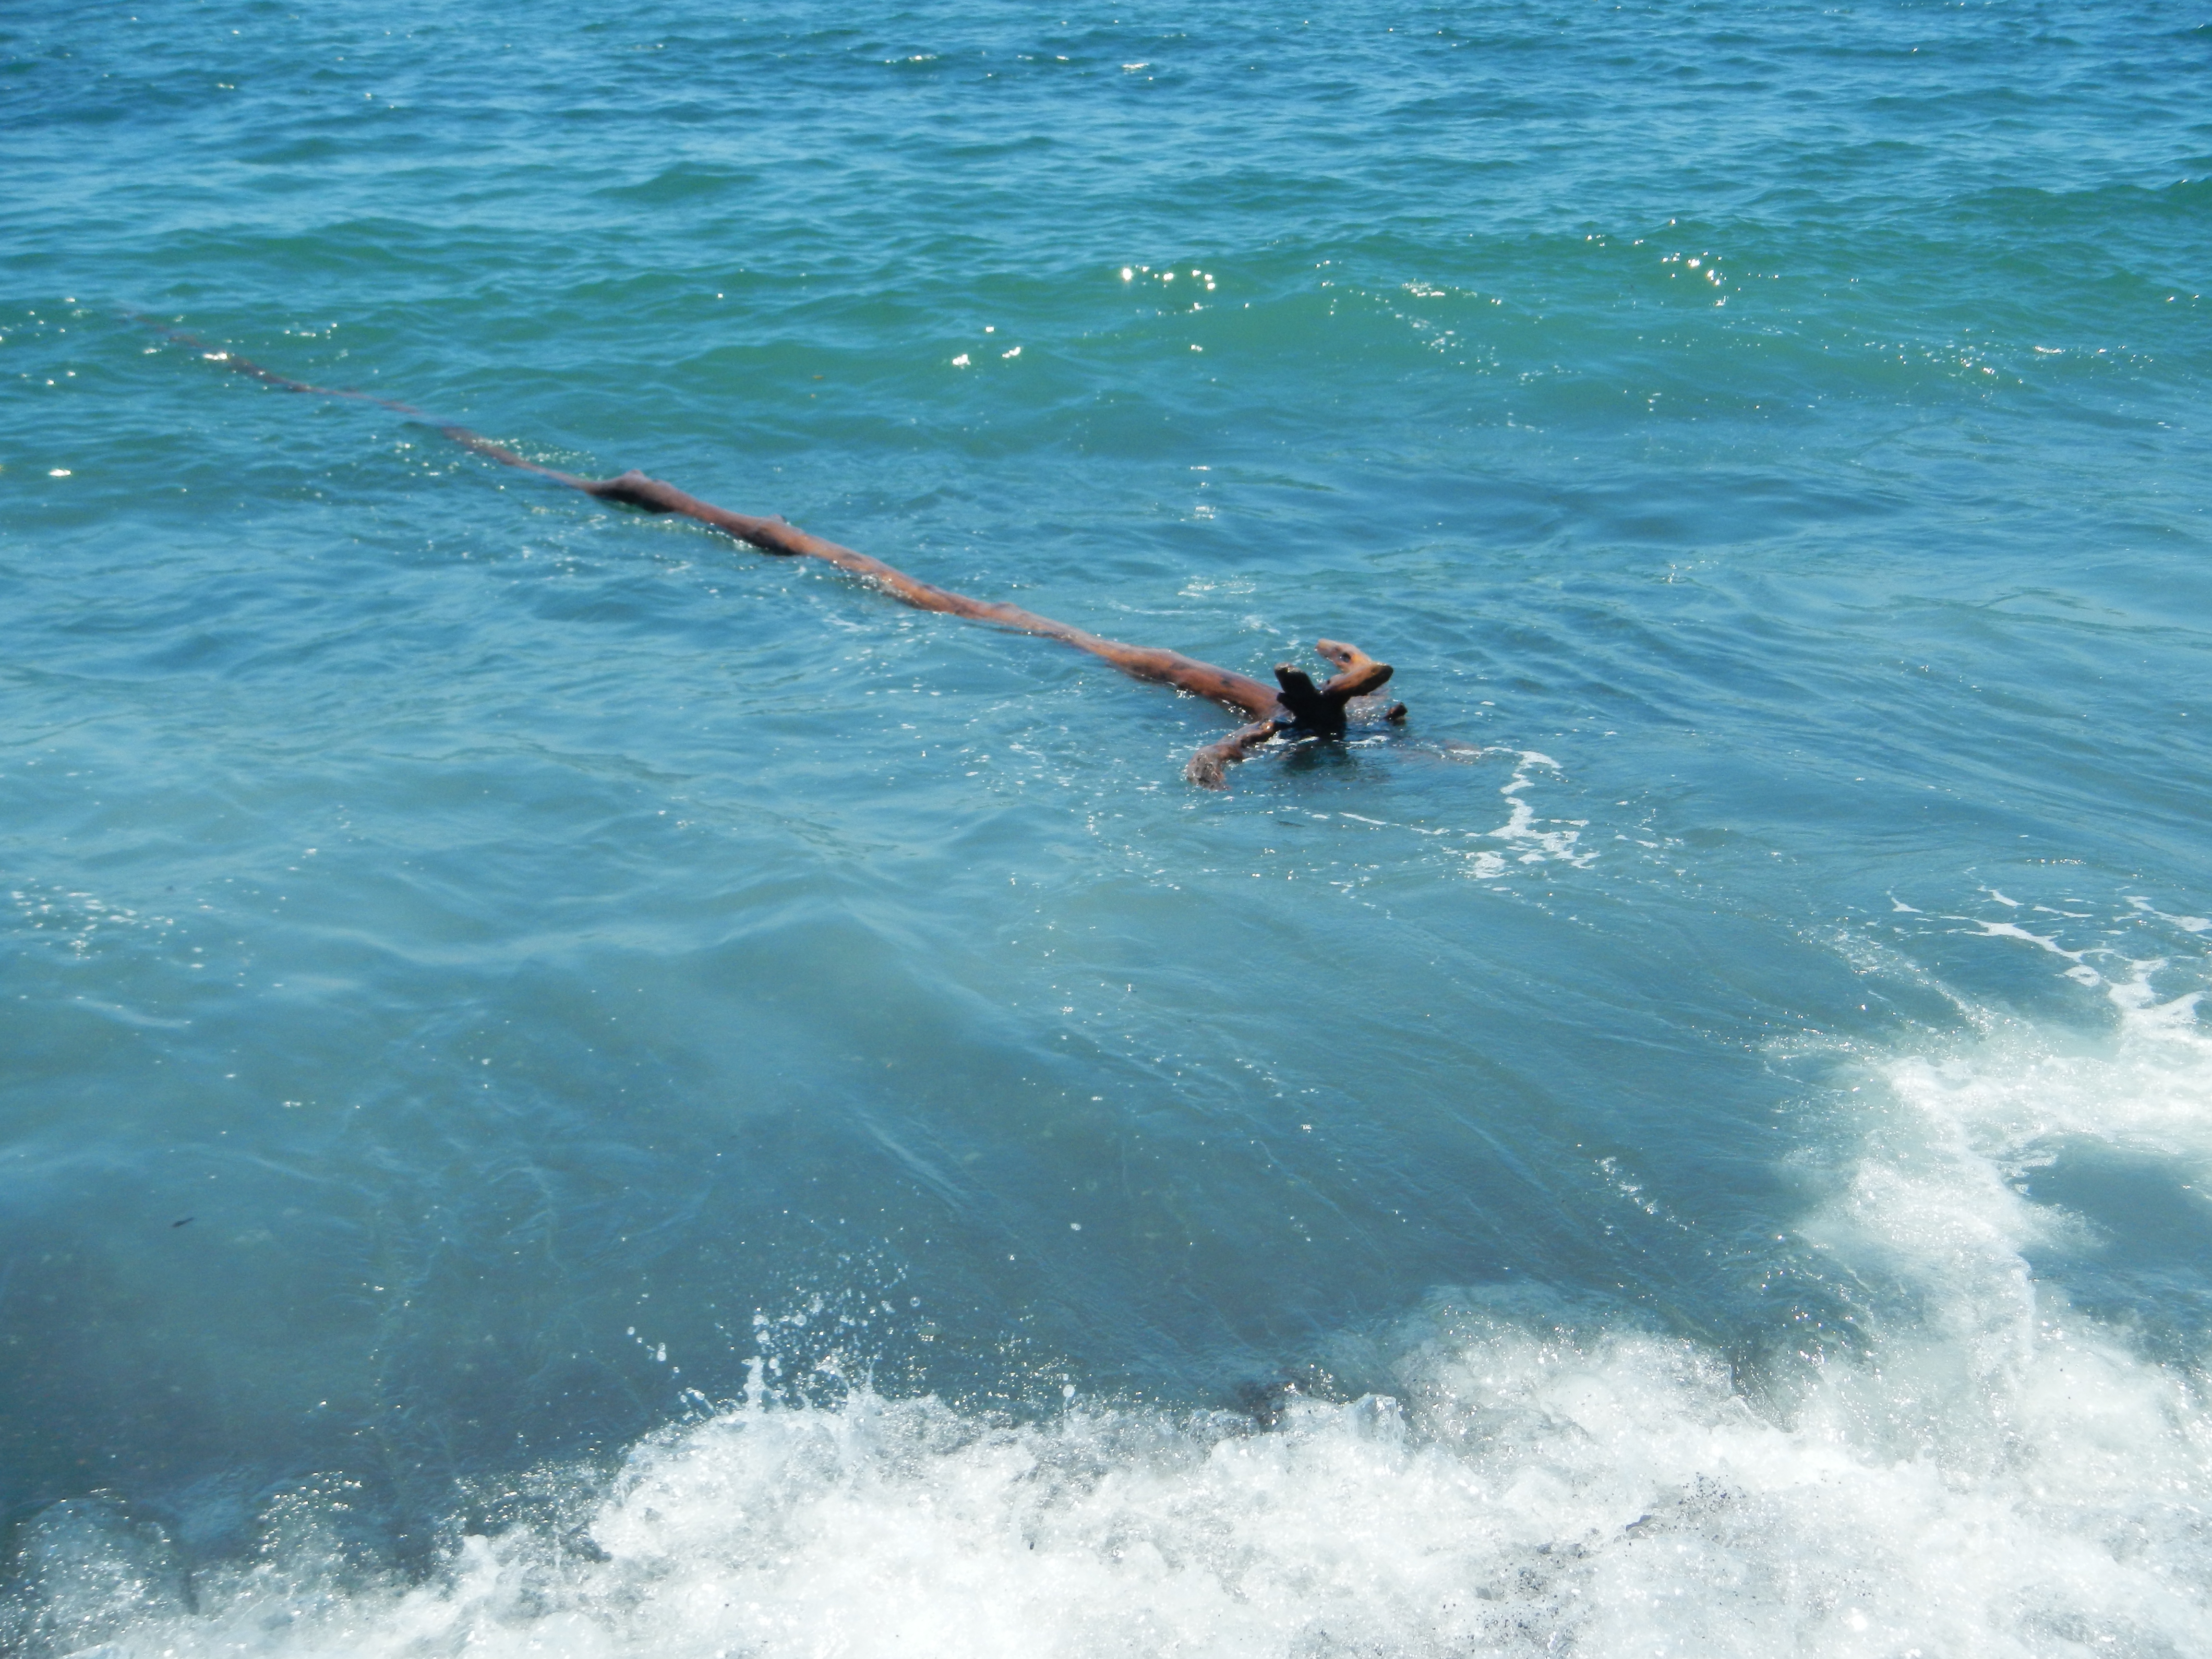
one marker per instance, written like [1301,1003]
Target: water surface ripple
[570,1087]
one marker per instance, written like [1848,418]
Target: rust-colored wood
[1294,706]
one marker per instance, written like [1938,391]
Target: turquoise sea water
[566,1087]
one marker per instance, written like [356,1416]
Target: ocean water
[569,1088]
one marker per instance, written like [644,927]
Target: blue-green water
[571,1088]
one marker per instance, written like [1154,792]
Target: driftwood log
[1294,707]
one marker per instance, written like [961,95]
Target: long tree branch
[1294,705]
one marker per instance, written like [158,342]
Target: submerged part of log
[1293,707]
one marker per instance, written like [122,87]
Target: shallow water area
[571,1087]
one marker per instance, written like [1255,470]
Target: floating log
[1294,707]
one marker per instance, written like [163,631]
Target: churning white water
[1990,1473]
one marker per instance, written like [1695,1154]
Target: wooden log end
[1357,674]
[1344,656]
[1321,710]
[1306,704]
[1209,768]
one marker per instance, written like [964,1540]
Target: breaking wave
[1990,1470]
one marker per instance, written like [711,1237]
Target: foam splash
[1528,839]
[1994,1475]
[1530,1494]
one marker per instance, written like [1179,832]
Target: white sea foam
[1996,1474]
[1527,838]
